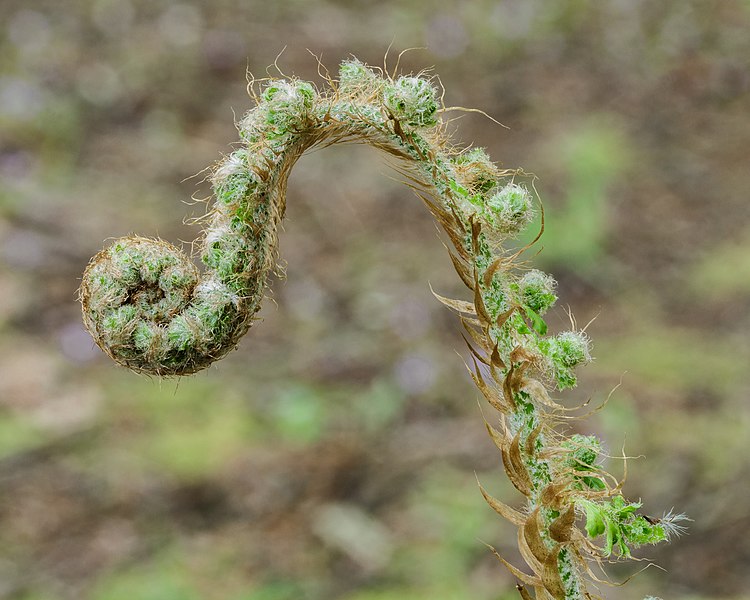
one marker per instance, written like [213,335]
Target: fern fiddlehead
[148,307]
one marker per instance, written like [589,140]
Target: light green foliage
[457,521]
[17,434]
[285,590]
[723,272]
[182,437]
[595,156]
[300,415]
[378,406]
[667,357]
[160,580]
[583,453]
[173,574]
[621,526]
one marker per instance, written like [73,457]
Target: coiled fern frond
[149,307]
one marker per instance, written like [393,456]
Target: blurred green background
[332,456]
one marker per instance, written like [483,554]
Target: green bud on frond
[537,290]
[286,105]
[476,170]
[296,94]
[355,76]
[412,100]
[234,180]
[510,209]
[571,348]
[566,351]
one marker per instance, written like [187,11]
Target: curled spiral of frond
[154,316]
[148,306]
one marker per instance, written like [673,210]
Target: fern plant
[149,307]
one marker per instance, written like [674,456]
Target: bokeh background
[332,456]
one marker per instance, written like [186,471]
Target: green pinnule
[150,309]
